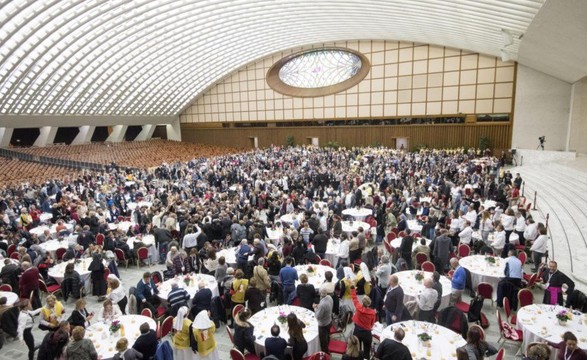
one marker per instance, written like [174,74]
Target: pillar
[5,136]
[84,136]
[146,133]
[46,136]
[117,134]
[174,130]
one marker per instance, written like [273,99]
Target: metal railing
[72,164]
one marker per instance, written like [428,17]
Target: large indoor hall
[293,180]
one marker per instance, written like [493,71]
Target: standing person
[405,248]
[568,349]
[393,301]
[97,276]
[520,226]
[239,287]
[458,281]
[323,311]
[25,325]
[80,315]
[29,282]
[426,302]
[442,249]
[364,319]
[305,292]
[539,247]
[202,300]
[263,282]
[117,294]
[204,329]
[181,338]
[296,337]
[554,280]
[343,251]
[383,272]
[513,269]
[80,348]
[486,226]
[275,345]
[288,277]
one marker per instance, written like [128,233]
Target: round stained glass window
[318,72]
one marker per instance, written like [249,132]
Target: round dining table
[140,204]
[39,230]
[274,234]
[121,225]
[263,320]
[483,271]
[349,226]
[289,218]
[230,255]
[57,272]
[538,323]
[359,214]
[190,283]
[397,242]
[51,246]
[412,287]
[514,238]
[105,342]
[316,276]
[414,225]
[11,298]
[442,345]
[148,240]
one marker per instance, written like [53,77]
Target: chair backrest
[485,289]
[394,230]
[100,239]
[428,266]
[402,234]
[391,236]
[230,334]
[6,287]
[451,273]
[15,255]
[59,253]
[11,249]
[43,286]
[421,258]
[506,307]
[499,321]
[166,326]
[120,218]
[156,276]
[416,235]
[120,254]
[464,250]
[500,354]
[388,247]
[237,308]
[296,301]
[532,280]
[325,262]
[481,331]
[522,256]
[147,312]
[525,297]
[106,273]
[319,356]
[143,253]
[236,355]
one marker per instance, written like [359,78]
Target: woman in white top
[26,321]
[498,240]
[539,247]
[520,226]
[507,220]
[455,224]
[466,234]
[117,294]
[343,250]
[211,262]
[486,225]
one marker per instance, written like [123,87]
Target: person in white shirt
[117,294]
[507,220]
[538,247]
[455,223]
[426,300]
[531,231]
[486,226]
[466,234]
[520,226]
[343,250]
[471,216]
[26,322]
[498,240]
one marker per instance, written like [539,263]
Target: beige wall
[406,79]
[578,130]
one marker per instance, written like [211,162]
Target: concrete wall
[542,108]
[578,128]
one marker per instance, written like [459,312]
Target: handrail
[73,164]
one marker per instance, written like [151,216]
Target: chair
[486,291]
[6,287]
[166,326]
[11,249]
[402,234]
[120,218]
[416,235]
[230,335]
[463,251]
[100,239]
[388,247]
[147,312]
[325,262]
[522,256]
[49,290]
[463,306]
[507,332]
[236,309]
[337,346]
[420,259]
[15,255]
[237,355]
[450,273]
[525,297]
[391,236]
[156,276]
[59,254]
[508,311]
[296,302]
[394,230]
[500,354]
[481,331]
[120,256]
[318,356]
[531,280]
[428,266]
[142,254]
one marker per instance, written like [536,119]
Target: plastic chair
[464,250]
[166,326]
[486,291]
[525,297]
[428,266]
[120,256]
[142,254]
[147,312]
[325,262]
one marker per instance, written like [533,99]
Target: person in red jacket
[29,281]
[364,319]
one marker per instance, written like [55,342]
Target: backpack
[474,314]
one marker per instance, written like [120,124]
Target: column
[5,136]
[46,136]
[146,133]
[117,134]
[174,130]
[84,136]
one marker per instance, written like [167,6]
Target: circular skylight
[318,72]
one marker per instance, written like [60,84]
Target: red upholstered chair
[237,355]
[525,297]
[100,239]
[59,253]
[15,255]
[121,257]
[388,247]
[394,230]
[531,280]
[236,309]
[147,312]
[6,287]
[54,289]
[522,256]
[486,290]
[464,250]
[508,311]
[416,235]
[296,301]
[420,259]
[428,266]
[500,354]
[508,332]
[230,335]
[142,254]
[166,326]
[391,236]
[11,249]
[156,276]
[463,306]
[106,273]
[318,356]
[337,346]
[402,234]
[325,262]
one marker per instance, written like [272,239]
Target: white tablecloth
[263,320]
[538,323]
[44,217]
[148,240]
[192,288]
[274,234]
[289,218]
[514,238]
[412,287]
[443,345]
[133,205]
[414,225]
[350,226]
[52,246]
[122,225]
[358,214]
[230,255]
[317,277]
[105,343]
[11,297]
[482,271]
[396,243]
[489,204]
[425,199]
[39,230]
[57,272]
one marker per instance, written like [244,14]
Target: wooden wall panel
[435,136]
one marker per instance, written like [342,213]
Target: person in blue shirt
[458,281]
[513,269]
[242,255]
[288,276]
[146,294]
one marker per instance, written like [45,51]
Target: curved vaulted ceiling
[140,57]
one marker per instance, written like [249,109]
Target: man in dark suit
[320,243]
[393,301]
[405,249]
[394,349]
[275,345]
[146,344]
[145,293]
[86,237]
[202,300]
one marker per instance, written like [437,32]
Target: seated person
[146,344]
[243,332]
[202,300]
[109,312]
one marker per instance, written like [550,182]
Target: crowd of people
[194,210]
